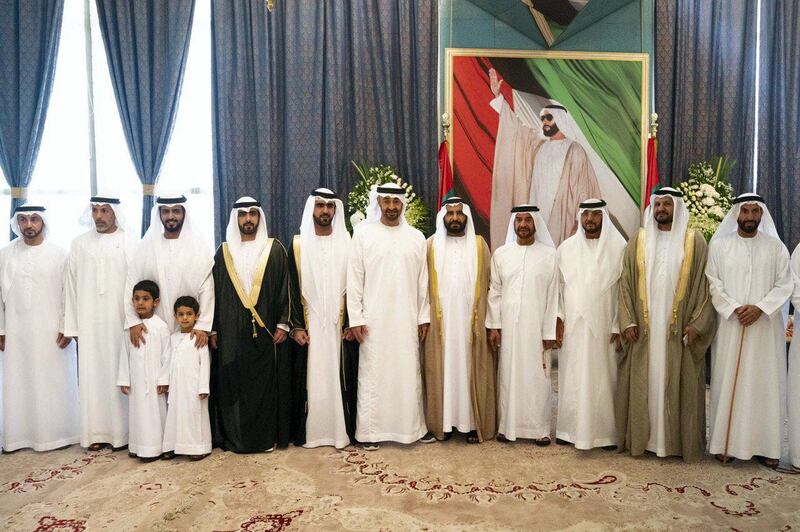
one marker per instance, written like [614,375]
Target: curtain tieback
[149,190]
[19,192]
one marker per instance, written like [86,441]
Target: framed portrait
[548,128]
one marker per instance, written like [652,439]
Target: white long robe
[40,388]
[793,385]
[387,290]
[179,269]
[325,422]
[587,362]
[144,369]
[95,314]
[456,299]
[749,271]
[547,168]
[661,296]
[188,427]
[523,303]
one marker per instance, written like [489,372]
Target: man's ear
[156,302]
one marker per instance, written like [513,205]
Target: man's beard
[392,214]
[322,220]
[32,233]
[663,218]
[550,132]
[455,227]
[528,232]
[176,229]
[248,228]
[748,226]
[592,228]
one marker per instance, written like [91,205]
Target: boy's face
[144,304]
[186,318]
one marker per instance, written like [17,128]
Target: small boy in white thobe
[188,428]
[144,376]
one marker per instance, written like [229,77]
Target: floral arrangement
[707,194]
[417,213]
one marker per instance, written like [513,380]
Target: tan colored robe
[516,148]
[685,387]
[483,363]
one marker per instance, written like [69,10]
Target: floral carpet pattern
[445,486]
[442,486]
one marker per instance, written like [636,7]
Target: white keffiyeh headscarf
[440,239]
[542,234]
[312,277]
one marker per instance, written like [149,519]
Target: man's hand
[125,389]
[300,337]
[748,314]
[617,341]
[422,331]
[348,335]
[494,83]
[548,344]
[2,342]
[137,335]
[691,334]
[200,338]
[203,396]
[494,338]
[212,341]
[280,336]
[162,389]
[631,334]
[360,333]
[62,341]
[559,332]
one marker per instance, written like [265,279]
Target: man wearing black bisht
[325,350]
[251,371]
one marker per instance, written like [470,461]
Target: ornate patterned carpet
[442,486]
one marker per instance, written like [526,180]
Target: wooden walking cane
[733,395]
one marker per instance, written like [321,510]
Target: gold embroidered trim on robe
[249,301]
[683,279]
[434,277]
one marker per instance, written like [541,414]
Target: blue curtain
[705,85]
[779,109]
[29,35]
[300,92]
[146,42]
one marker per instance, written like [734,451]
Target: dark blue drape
[29,35]
[779,109]
[300,92]
[146,42]
[705,85]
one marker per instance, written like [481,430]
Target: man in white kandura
[750,281]
[40,388]
[318,258]
[95,315]
[523,308]
[174,255]
[590,264]
[387,300]
[793,385]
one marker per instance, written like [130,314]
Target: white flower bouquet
[707,194]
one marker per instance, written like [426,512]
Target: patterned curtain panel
[705,85]
[779,116]
[146,44]
[300,92]
[29,35]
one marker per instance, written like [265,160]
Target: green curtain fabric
[605,99]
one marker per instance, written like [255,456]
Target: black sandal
[472,437]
